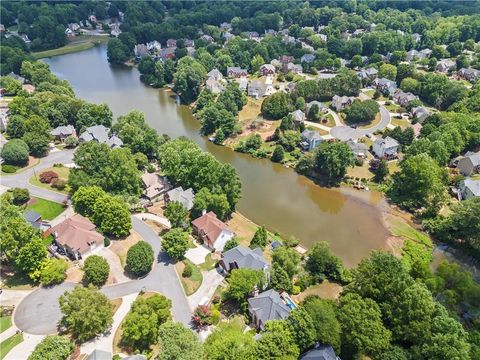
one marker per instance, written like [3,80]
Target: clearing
[78,43]
[47,209]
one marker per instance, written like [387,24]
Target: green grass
[47,241]
[8,344]
[369,93]
[392,107]
[209,263]
[5,323]
[79,43]
[402,229]
[62,172]
[192,283]
[47,209]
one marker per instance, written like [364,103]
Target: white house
[386,148]
[212,231]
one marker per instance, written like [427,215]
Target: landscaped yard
[120,247]
[192,283]
[325,290]
[62,172]
[31,162]
[369,93]
[47,209]
[8,344]
[79,43]
[5,323]
[403,123]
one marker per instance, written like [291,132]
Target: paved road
[21,179]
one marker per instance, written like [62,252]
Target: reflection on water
[271,194]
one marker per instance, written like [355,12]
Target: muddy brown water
[272,195]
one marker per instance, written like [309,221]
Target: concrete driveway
[197,255]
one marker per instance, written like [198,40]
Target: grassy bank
[79,43]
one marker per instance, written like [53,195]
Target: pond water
[271,194]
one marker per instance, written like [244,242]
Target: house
[154,46]
[167,53]
[184,197]
[140,50]
[242,83]
[253,35]
[386,148]
[323,37]
[277,64]
[19,78]
[469,74]
[368,74]
[307,58]
[271,32]
[214,86]
[242,257]
[420,113]
[266,306]
[236,72]
[445,65]
[321,106]
[225,26]
[77,236]
[267,69]
[215,74]
[384,85]
[2,28]
[154,185]
[425,53]
[98,354]
[25,38]
[469,188]
[294,68]
[60,133]
[403,98]
[207,38]
[4,115]
[287,39]
[310,140]
[99,133]
[412,55]
[341,102]
[358,149]
[189,43]
[69,32]
[290,87]
[298,117]
[469,164]
[259,89]
[416,37]
[212,231]
[35,219]
[285,59]
[320,352]
[92,18]
[228,36]
[171,43]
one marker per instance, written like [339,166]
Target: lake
[272,194]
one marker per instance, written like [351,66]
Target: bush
[20,196]
[52,347]
[202,316]
[15,152]
[9,169]
[58,184]
[106,242]
[175,243]
[71,141]
[96,270]
[140,258]
[53,272]
[48,176]
[187,271]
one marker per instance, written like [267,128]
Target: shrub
[53,272]
[15,152]
[20,196]
[106,242]
[140,258]
[47,177]
[9,169]
[202,316]
[175,243]
[58,184]
[187,271]
[71,141]
[52,347]
[216,315]
[96,270]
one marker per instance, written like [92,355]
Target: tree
[419,183]
[20,196]
[277,342]
[188,78]
[15,152]
[178,342]
[230,244]
[117,51]
[52,347]
[259,238]
[93,114]
[112,216]
[86,312]
[321,262]
[276,106]
[332,159]
[381,171]
[361,111]
[278,154]
[53,271]
[302,328]
[96,270]
[327,327]
[141,327]
[177,214]
[71,142]
[241,283]
[230,341]
[175,243]
[362,329]
[37,144]
[410,85]
[30,257]
[140,258]
[15,126]
[208,201]
[256,62]
[85,198]
[387,71]
[10,85]
[279,279]
[288,259]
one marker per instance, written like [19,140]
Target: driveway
[39,312]
[211,280]
[197,254]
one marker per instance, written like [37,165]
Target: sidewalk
[161,220]
[211,280]
[25,348]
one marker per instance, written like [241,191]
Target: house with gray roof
[425,53]
[298,117]
[420,113]
[35,220]
[214,86]
[469,74]
[469,188]
[384,85]
[236,72]
[412,55]
[242,257]
[321,106]
[99,133]
[258,89]
[267,306]
[385,148]
[307,58]
[358,149]
[267,69]
[185,197]
[320,352]
[469,164]
[294,68]
[310,140]
[140,50]
[341,102]
[60,133]
[215,74]
[402,98]
[446,65]
[370,73]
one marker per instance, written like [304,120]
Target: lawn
[325,290]
[47,209]
[5,323]
[62,172]
[31,162]
[79,43]
[8,344]
[403,123]
[369,93]
[330,120]
[192,283]
[391,107]
[208,264]
[374,122]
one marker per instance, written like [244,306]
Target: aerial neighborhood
[145,234]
